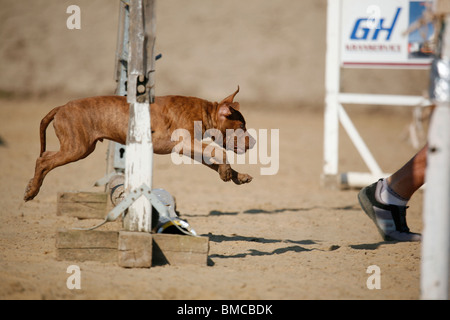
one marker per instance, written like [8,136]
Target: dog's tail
[43,128]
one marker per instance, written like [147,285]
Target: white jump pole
[332,84]
[436,233]
[139,155]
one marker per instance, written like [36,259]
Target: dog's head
[231,124]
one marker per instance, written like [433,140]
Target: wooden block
[180,249]
[80,245]
[83,205]
[87,239]
[135,249]
[81,255]
[131,249]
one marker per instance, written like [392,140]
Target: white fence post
[436,233]
[139,155]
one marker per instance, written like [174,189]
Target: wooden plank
[120,39]
[131,249]
[80,245]
[136,48]
[150,36]
[180,249]
[81,255]
[83,205]
[82,239]
[135,249]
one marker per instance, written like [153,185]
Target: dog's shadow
[296,246]
[372,246]
[256,211]
[2,142]
[281,210]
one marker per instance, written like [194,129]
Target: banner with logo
[373,34]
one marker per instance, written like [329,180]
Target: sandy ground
[283,236]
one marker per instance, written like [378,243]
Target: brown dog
[79,124]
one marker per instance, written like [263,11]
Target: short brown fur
[79,124]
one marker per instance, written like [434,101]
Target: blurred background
[275,51]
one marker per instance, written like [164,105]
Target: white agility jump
[367,34]
[364,34]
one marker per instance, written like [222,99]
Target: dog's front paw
[225,172]
[241,178]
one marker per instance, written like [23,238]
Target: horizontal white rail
[383,99]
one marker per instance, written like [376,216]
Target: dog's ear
[224,111]
[230,98]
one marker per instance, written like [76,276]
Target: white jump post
[140,94]
[332,87]
[436,233]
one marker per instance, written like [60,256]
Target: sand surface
[283,236]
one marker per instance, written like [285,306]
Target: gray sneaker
[390,220]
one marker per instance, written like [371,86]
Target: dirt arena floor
[282,236]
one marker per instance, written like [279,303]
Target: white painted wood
[139,166]
[139,154]
[332,83]
[436,212]
[360,179]
[436,235]
[382,99]
[359,143]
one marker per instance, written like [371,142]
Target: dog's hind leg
[49,161]
[40,171]
[74,145]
